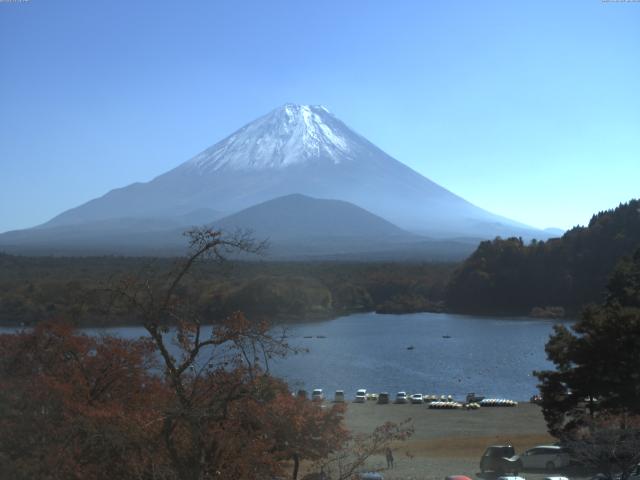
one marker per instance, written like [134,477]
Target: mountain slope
[126,235]
[296,217]
[299,149]
[296,227]
[304,228]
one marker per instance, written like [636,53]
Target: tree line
[507,276]
[33,289]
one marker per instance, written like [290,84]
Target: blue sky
[528,109]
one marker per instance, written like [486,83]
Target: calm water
[494,357]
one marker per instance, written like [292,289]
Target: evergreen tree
[597,360]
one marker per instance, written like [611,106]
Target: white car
[416,398]
[548,457]
[339,396]
[317,395]
[401,397]
[361,395]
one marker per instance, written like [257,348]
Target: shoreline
[290,320]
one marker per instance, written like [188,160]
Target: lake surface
[494,357]
[490,356]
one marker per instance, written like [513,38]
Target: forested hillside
[507,276]
[33,289]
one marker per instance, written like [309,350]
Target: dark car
[383,397]
[500,459]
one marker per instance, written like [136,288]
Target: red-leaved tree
[192,401]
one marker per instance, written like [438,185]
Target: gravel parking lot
[450,442]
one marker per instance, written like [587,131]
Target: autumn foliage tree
[303,431]
[74,406]
[193,400]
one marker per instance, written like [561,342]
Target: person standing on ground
[389,458]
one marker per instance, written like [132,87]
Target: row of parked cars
[362,396]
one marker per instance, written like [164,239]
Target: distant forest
[33,289]
[505,276]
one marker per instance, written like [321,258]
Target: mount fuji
[294,149]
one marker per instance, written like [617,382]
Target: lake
[494,357]
[490,356]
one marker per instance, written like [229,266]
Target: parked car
[339,396]
[416,398]
[383,398]
[302,393]
[401,397]
[361,396]
[549,457]
[370,476]
[456,477]
[317,395]
[500,459]
[537,399]
[510,477]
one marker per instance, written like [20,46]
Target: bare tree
[610,446]
[353,456]
[236,352]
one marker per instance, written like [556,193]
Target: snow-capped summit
[291,134]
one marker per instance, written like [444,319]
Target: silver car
[317,395]
[361,395]
[401,397]
[548,457]
[416,398]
